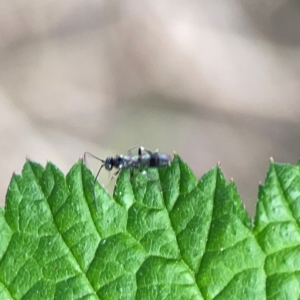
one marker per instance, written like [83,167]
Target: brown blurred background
[213,80]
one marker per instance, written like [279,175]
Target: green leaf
[277,231]
[163,235]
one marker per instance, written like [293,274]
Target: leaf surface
[163,235]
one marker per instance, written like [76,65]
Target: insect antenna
[92,155]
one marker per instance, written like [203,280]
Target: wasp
[144,159]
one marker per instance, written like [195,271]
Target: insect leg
[131,173]
[116,174]
[112,177]
[94,195]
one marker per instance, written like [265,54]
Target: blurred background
[212,80]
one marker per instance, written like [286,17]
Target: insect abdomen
[158,160]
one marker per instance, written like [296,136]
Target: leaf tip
[219,163]
[271,160]
[231,179]
[176,157]
[260,187]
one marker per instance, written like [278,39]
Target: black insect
[144,159]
